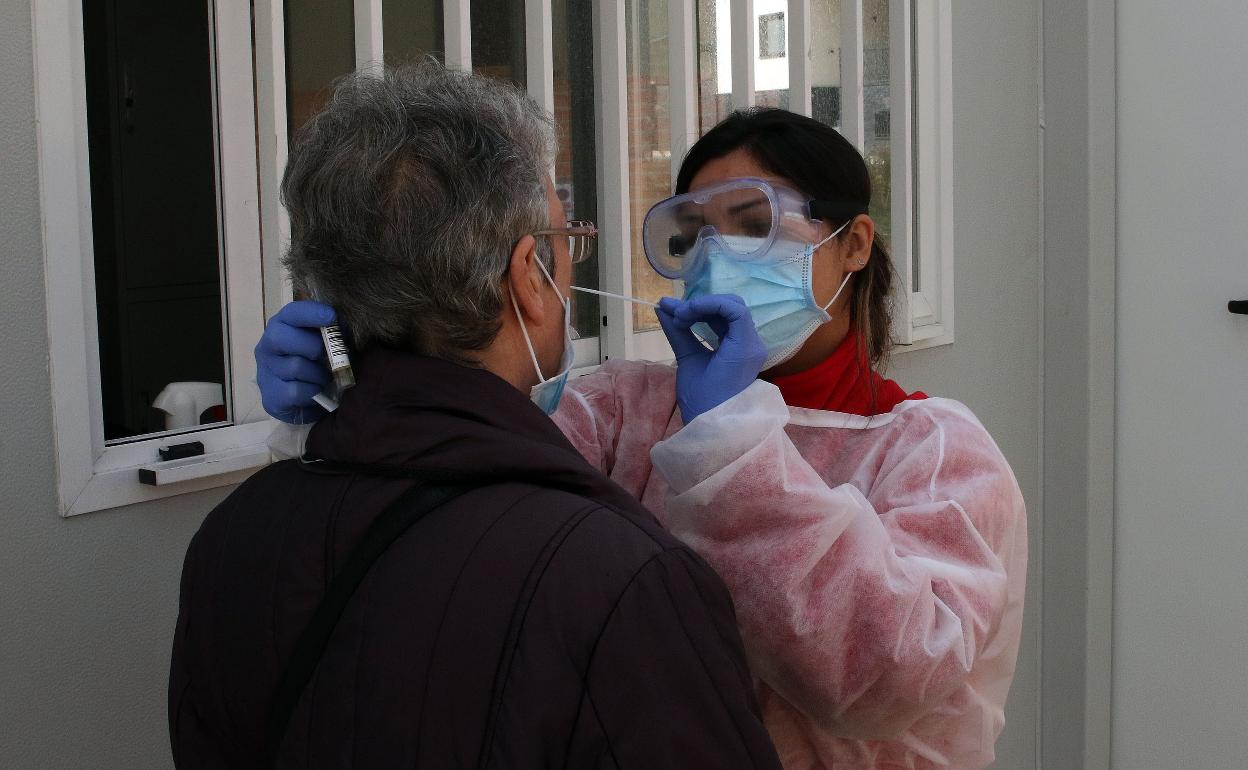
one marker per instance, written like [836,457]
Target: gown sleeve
[614,417]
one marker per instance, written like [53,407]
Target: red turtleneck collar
[843,383]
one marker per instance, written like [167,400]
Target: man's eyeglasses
[580,234]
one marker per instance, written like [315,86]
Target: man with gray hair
[441,580]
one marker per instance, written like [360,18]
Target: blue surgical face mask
[778,289]
[548,392]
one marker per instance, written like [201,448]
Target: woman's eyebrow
[737,209]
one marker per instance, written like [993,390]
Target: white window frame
[925,56]
[369,53]
[616,338]
[253,149]
[92,475]
[922,137]
[921,92]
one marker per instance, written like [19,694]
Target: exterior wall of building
[89,603]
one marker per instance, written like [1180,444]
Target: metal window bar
[457,34]
[539,53]
[800,82]
[853,73]
[744,49]
[243,295]
[932,260]
[368,38]
[901,108]
[271,135]
[611,121]
[683,65]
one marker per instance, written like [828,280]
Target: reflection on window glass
[876,113]
[771,60]
[152,140]
[650,140]
[575,166]
[825,61]
[498,39]
[771,37]
[320,46]
[411,29]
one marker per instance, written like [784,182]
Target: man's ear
[524,278]
[858,239]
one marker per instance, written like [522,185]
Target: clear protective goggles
[745,216]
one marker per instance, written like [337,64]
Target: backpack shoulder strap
[409,508]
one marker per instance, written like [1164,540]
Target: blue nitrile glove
[705,378]
[291,366]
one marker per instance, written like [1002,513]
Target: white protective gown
[877,564]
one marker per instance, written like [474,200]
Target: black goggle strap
[838,212]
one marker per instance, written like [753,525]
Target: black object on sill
[182,451]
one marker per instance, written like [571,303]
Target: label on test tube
[336,348]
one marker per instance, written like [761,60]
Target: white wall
[1079,232]
[88,604]
[994,366]
[1181,576]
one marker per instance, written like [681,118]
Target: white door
[1181,564]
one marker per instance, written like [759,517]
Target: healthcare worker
[874,542]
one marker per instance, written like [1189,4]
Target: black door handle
[1239,307]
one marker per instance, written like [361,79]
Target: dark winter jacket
[544,619]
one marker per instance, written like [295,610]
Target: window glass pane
[320,46]
[152,131]
[650,140]
[771,61]
[498,39]
[715,56]
[876,95]
[825,61]
[576,176]
[411,29]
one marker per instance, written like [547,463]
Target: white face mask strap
[838,231]
[553,285]
[837,296]
[514,306]
[523,328]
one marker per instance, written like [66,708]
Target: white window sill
[231,455]
[925,337]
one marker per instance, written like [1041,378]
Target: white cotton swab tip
[633,300]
